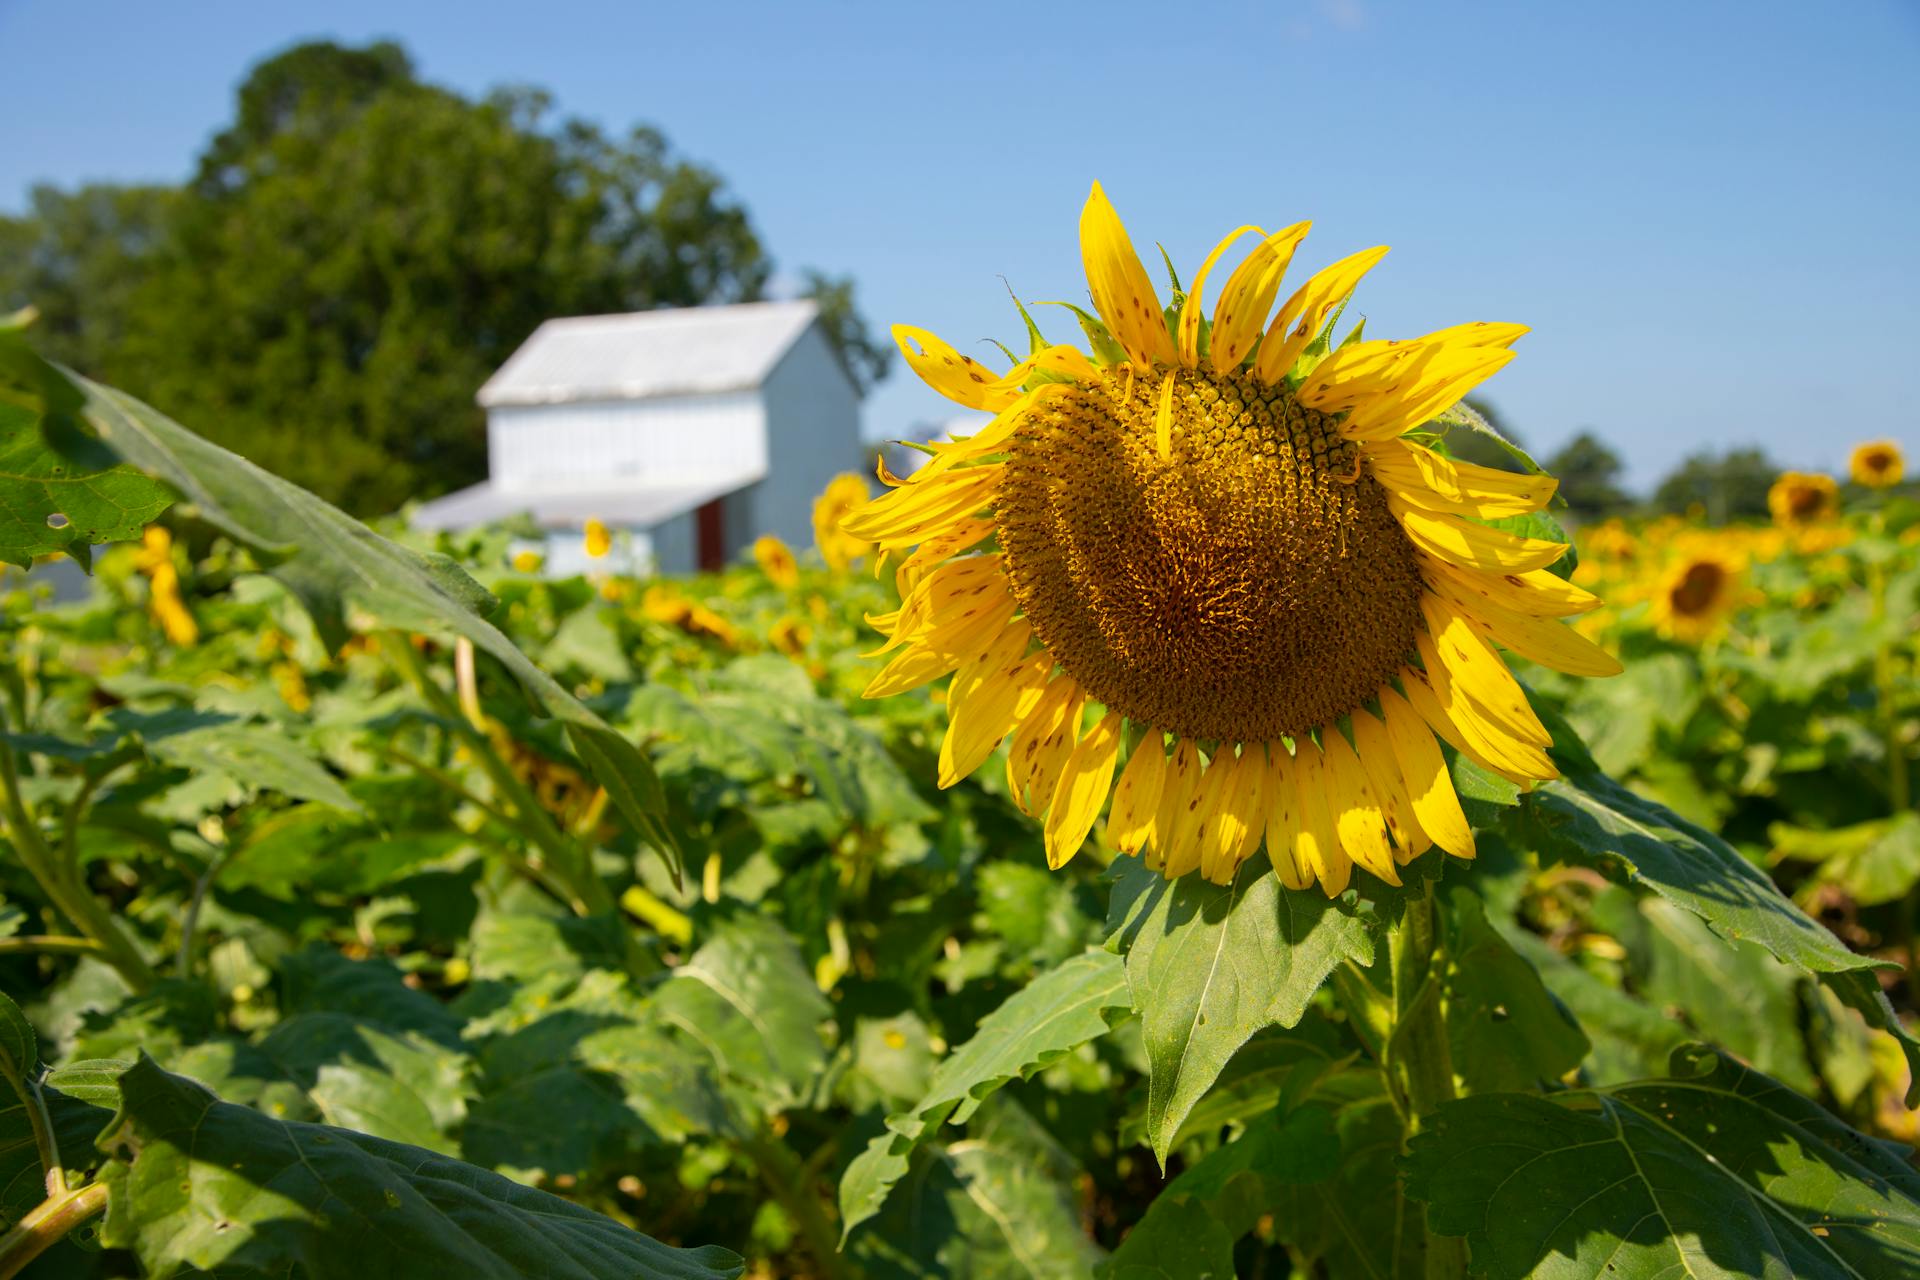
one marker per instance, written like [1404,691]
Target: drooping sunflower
[776,561]
[1696,595]
[1219,534]
[1801,498]
[1878,464]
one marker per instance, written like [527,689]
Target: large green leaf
[1871,862]
[746,997]
[1208,965]
[392,1084]
[1717,1172]
[60,491]
[79,1100]
[1052,1015]
[1505,1028]
[205,1184]
[997,1206]
[333,562]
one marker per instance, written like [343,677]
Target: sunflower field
[374,905]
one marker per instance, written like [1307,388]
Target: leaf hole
[57,521]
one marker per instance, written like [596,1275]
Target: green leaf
[60,491]
[254,757]
[1354,1223]
[79,1100]
[1052,1015]
[1177,1240]
[746,998]
[1237,1182]
[202,1183]
[1719,1172]
[361,1075]
[1208,965]
[1504,1027]
[332,562]
[1871,862]
[1630,1037]
[996,1206]
[1589,819]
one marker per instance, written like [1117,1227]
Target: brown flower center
[1699,588]
[1249,585]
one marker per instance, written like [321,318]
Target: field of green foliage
[372,909]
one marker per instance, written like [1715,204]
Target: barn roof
[688,351]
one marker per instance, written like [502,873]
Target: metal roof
[637,506]
[688,351]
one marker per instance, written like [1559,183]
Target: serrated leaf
[1052,1015]
[746,998]
[331,562]
[1506,1031]
[1720,1172]
[1208,965]
[60,491]
[202,1183]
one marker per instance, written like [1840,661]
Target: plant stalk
[1419,1060]
[785,1177]
[48,1222]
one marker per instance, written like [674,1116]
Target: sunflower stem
[1418,1060]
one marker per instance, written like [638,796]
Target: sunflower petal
[1043,742]
[1241,314]
[1551,644]
[1538,594]
[1190,310]
[1375,751]
[1425,479]
[1137,796]
[1319,847]
[959,378]
[1176,795]
[1081,791]
[1307,310]
[1357,816]
[977,726]
[957,640]
[1469,545]
[1122,293]
[1477,670]
[914,513]
[1283,819]
[1424,771]
[1487,740]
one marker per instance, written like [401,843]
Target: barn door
[709,540]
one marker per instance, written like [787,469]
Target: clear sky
[1707,211]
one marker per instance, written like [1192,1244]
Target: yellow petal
[1176,793]
[1375,750]
[990,438]
[1424,771]
[1357,816]
[1490,741]
[914,513]
[1283,820]
[941,649]
[1550,644]
[1430,481]
[1163,420]
[1122,294]
[1043,742]
[1230,814]
[1188,849]
[1138,795]
[1477,670]
[958,538]
[1440,384]
[1307,310]
[959,378]
[975,729]
[1190,311]
[1424,698]
[1002,656]
[1469,545]
[1241,314]
[1319,848]
[941,594]
[1538,594]
[1081,791]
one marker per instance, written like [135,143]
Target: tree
[865,360]
[1728,486]
[359,250]
[1589,474]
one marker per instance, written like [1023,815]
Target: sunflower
[155,559]
[1696,595]
[846,492]
[1878,464]
[776,561]
[1220,537]
[597,538]
[1798,498]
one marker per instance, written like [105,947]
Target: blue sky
[1707,211]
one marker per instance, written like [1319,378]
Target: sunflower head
[1205,568]
[1800,498]
[776,561]
[845,493]
[1696,595]
[527,561]
[1878,464]
[597,538]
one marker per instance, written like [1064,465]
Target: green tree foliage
[1726,486]
[1589,475]
[359,250]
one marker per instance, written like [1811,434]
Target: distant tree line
[358,250]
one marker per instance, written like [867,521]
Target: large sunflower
[1219,535]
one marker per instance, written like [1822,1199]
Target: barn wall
[813,432]
[598,444]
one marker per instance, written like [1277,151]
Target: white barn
[694,431]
